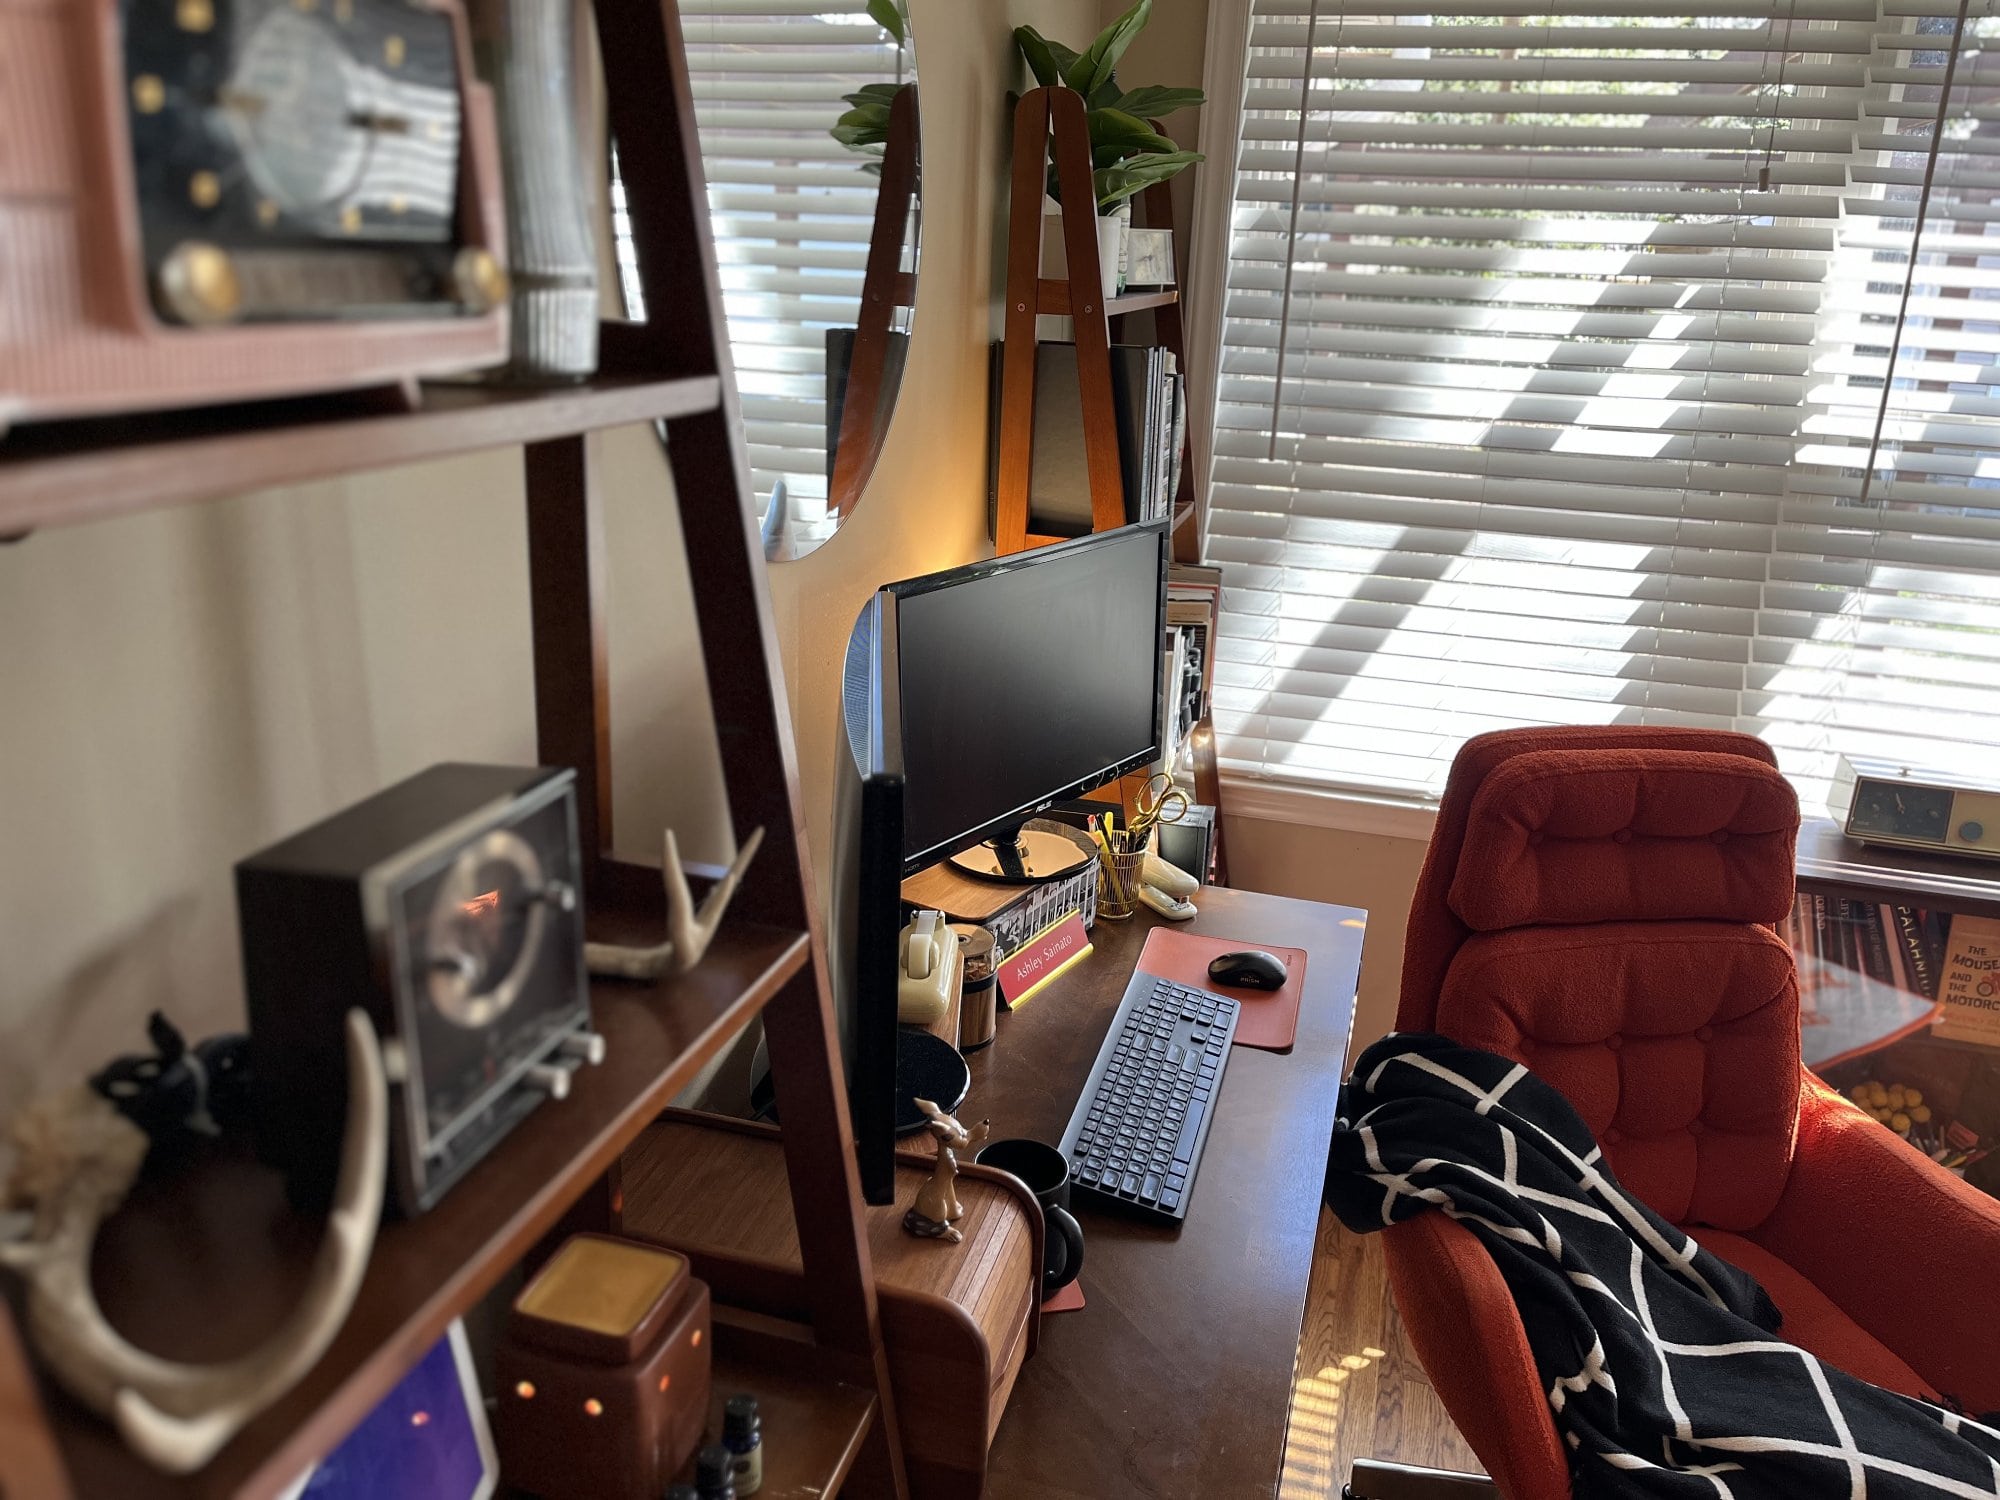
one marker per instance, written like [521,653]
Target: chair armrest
[1460,1319]
[1927,1293]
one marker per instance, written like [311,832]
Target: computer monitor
[974,699]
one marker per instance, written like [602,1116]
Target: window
[1621,367]
[791,208]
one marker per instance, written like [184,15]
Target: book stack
[1193,593]
[1149,404]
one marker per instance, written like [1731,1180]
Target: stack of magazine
[1149,405]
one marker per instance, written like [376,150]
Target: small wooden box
[957,1320]
[603,1373]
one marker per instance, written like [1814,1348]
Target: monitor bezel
[889,659]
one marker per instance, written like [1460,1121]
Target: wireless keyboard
[1137,1133]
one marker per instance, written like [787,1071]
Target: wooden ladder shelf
[1051,122]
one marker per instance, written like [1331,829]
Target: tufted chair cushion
[1678,1043]
[1626,836]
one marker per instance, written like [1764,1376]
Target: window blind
[1547,353]
[790,207]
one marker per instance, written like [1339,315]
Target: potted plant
[1127,155]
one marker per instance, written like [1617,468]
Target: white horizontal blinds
[1881,627]
[791,208]
[1518,336]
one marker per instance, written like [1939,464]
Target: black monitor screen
[1024,680]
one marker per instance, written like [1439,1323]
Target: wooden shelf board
[203,1264]
[814,1424]
[60,473]
[1832,864]
[1052,298]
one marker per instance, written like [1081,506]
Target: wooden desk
[1175,1379]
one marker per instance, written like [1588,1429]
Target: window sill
[1324,807]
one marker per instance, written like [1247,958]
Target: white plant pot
[1111,248]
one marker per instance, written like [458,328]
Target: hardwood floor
[1358,1391]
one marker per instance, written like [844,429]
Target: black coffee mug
[1046,1174]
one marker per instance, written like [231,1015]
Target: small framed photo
[1149,259]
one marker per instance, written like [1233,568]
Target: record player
[447,907]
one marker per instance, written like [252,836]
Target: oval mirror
[807,116]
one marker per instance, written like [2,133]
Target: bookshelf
[1875,930]
[1050,123]
[204,1262]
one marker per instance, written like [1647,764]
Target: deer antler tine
[689,931]
[178,1415]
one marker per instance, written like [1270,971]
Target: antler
[85,1156]
[688,932]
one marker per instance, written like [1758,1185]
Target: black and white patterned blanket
[1657,1358]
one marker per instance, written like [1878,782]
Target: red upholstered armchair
[1598,904]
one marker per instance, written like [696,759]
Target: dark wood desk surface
[1175,1379]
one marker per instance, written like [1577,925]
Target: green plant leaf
[1105,95]
[874,93]
[1113,129]
[1041,55]
[889,16]
[1093,69]
[1114,184]
[1152,101]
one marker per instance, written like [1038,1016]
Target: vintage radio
[448,908]
[215,200]
[1915,808]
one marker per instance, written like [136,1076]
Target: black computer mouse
[1253,969]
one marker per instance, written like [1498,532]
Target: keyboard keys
[1135,1136]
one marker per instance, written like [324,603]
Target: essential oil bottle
[743,1436]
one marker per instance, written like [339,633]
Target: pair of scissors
[1159,801]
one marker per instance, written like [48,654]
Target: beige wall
[1367,870]
[179,689]
[925,506]
[1170,52]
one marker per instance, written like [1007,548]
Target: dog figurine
[935,1214]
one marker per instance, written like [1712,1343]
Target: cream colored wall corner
[925,505]
[1367,870]
[180,688]
[1171,51]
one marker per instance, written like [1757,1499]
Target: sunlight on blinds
[1547,361]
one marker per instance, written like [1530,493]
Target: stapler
[924,977]
[1166,889]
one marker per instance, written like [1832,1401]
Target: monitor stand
[1024,858]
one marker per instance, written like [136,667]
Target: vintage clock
[208,200]
[448,907]
[1914,808]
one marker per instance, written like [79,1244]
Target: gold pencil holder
[1118,889]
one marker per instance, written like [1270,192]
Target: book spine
[1916,954]
[1872,950]
[1937,938]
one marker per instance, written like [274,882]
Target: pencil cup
[1118,890]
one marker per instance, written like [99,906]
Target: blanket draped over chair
[1660,1361]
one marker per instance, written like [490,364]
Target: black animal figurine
[180,1091]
